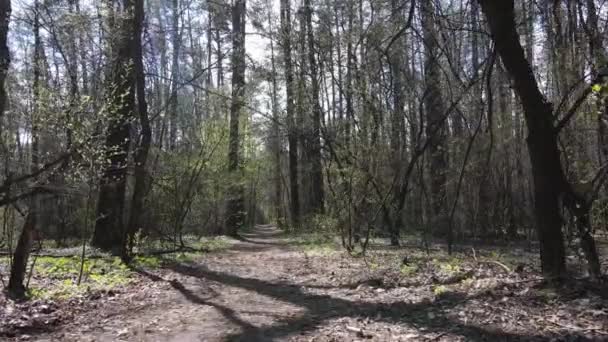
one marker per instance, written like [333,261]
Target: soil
[265,288]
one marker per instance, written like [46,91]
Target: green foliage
[408,270]
[62,275]
[212,244]
[323,225]
[146,261]
[439,290]
[448,266]
[316,244]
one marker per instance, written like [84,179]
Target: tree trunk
[143,146]
[276,133]
[542,139]
[120,95]
[396,63]
[176,42]
[291,125]
[317,191]
[22,253]
[235,207]
[435,111]
[5,56]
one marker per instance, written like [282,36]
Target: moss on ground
[56,277]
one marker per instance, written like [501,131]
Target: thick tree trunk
[547,170]
[235,206]
[317,192]
[435,111]
[109,227]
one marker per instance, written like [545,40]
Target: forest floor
[268,287]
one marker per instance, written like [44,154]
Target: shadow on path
[321,308]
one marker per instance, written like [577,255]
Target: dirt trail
[265,289]
[241,294]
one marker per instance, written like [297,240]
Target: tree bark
[291,125]
[235,206]
[176,42]
[547,170]
[276,131]
[120,96]
[5,56]
[22,253]
[435,111]
[317,191]
[143,147]
[396,63]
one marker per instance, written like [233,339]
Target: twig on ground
[494,262]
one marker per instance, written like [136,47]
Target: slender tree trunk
[16,287]
[22,251]
[143,146]
[5,57]
[303,121]
[291,125]
[276,131]
[350,66]
[176,43]
[163,93]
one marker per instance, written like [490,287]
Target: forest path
[254,291]
[266,288]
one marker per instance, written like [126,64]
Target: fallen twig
[494,262]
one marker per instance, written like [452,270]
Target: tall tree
[318,192]
[5,57]
[397,65]
[549,179]
[234,212]
[176,43]
[120,106]
[435,112]
[294,202]
[24,245]
[143,145]
[276,128]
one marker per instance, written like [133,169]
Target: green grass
[212,244]
[208,244]
[318,244]
[408,270]
[57,277]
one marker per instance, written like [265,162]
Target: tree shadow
[321,308]
[246,328]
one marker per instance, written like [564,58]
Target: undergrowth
[56,277]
